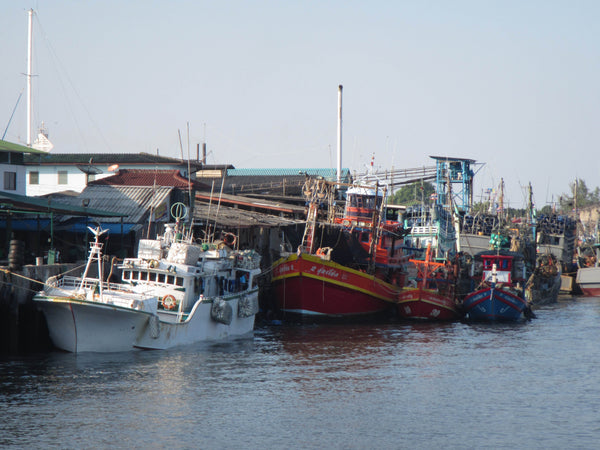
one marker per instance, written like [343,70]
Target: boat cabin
[362,204]
[497,268]
[187,274]
[502,267]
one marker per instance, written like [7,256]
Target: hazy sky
[512,84]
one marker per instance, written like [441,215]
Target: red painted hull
[306,285]
[424,304]
[590,292]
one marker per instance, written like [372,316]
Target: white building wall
[21,186]
[76,179]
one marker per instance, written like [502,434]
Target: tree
[419,192]
[580,196]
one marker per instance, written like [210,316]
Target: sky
[512,84]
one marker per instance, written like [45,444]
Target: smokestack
[339,135]
[204,153]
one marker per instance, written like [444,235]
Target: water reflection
[388,385]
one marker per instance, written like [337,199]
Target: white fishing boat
[175,292]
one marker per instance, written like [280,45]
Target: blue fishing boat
[500,294]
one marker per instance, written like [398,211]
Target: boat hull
[545,291]
[309,286]
[494,304]
[588,280]
[83,326]
[199,326]
[425,304]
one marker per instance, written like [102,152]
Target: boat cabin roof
[498,254]
[356,190]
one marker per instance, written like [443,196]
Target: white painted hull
[198,327]
[588,279]
[83,326]
[79,326]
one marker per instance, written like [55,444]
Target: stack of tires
[16,254]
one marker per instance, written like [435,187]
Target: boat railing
[424,230]
[69,282]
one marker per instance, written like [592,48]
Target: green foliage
[580,196]
[411,194]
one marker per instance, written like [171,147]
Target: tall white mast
[339,135]
[29,75]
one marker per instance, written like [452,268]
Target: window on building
[34,178]
[10,181]
[62,177]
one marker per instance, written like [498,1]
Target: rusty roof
[148,178]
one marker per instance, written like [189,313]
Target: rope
[33,280]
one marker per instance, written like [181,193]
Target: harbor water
[378,385]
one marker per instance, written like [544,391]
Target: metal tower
[454,182]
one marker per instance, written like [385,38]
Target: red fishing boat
[345,267]
[433,296]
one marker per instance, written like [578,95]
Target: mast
[501,199]
[532,215]
[29,75]
[339,136]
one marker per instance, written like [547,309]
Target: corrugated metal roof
[133,202]
[249,202]
[60,205]
[232,218]
[325,173]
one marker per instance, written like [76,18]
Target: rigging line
[12,114]
[62,66]
[57,66]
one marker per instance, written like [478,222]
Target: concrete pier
[22,327]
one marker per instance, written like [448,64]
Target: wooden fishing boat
[433,295]
[588,269]
[500,294]
[543,285]
[346,267]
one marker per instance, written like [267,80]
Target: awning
[27,224]
[9,201]
[113,228]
